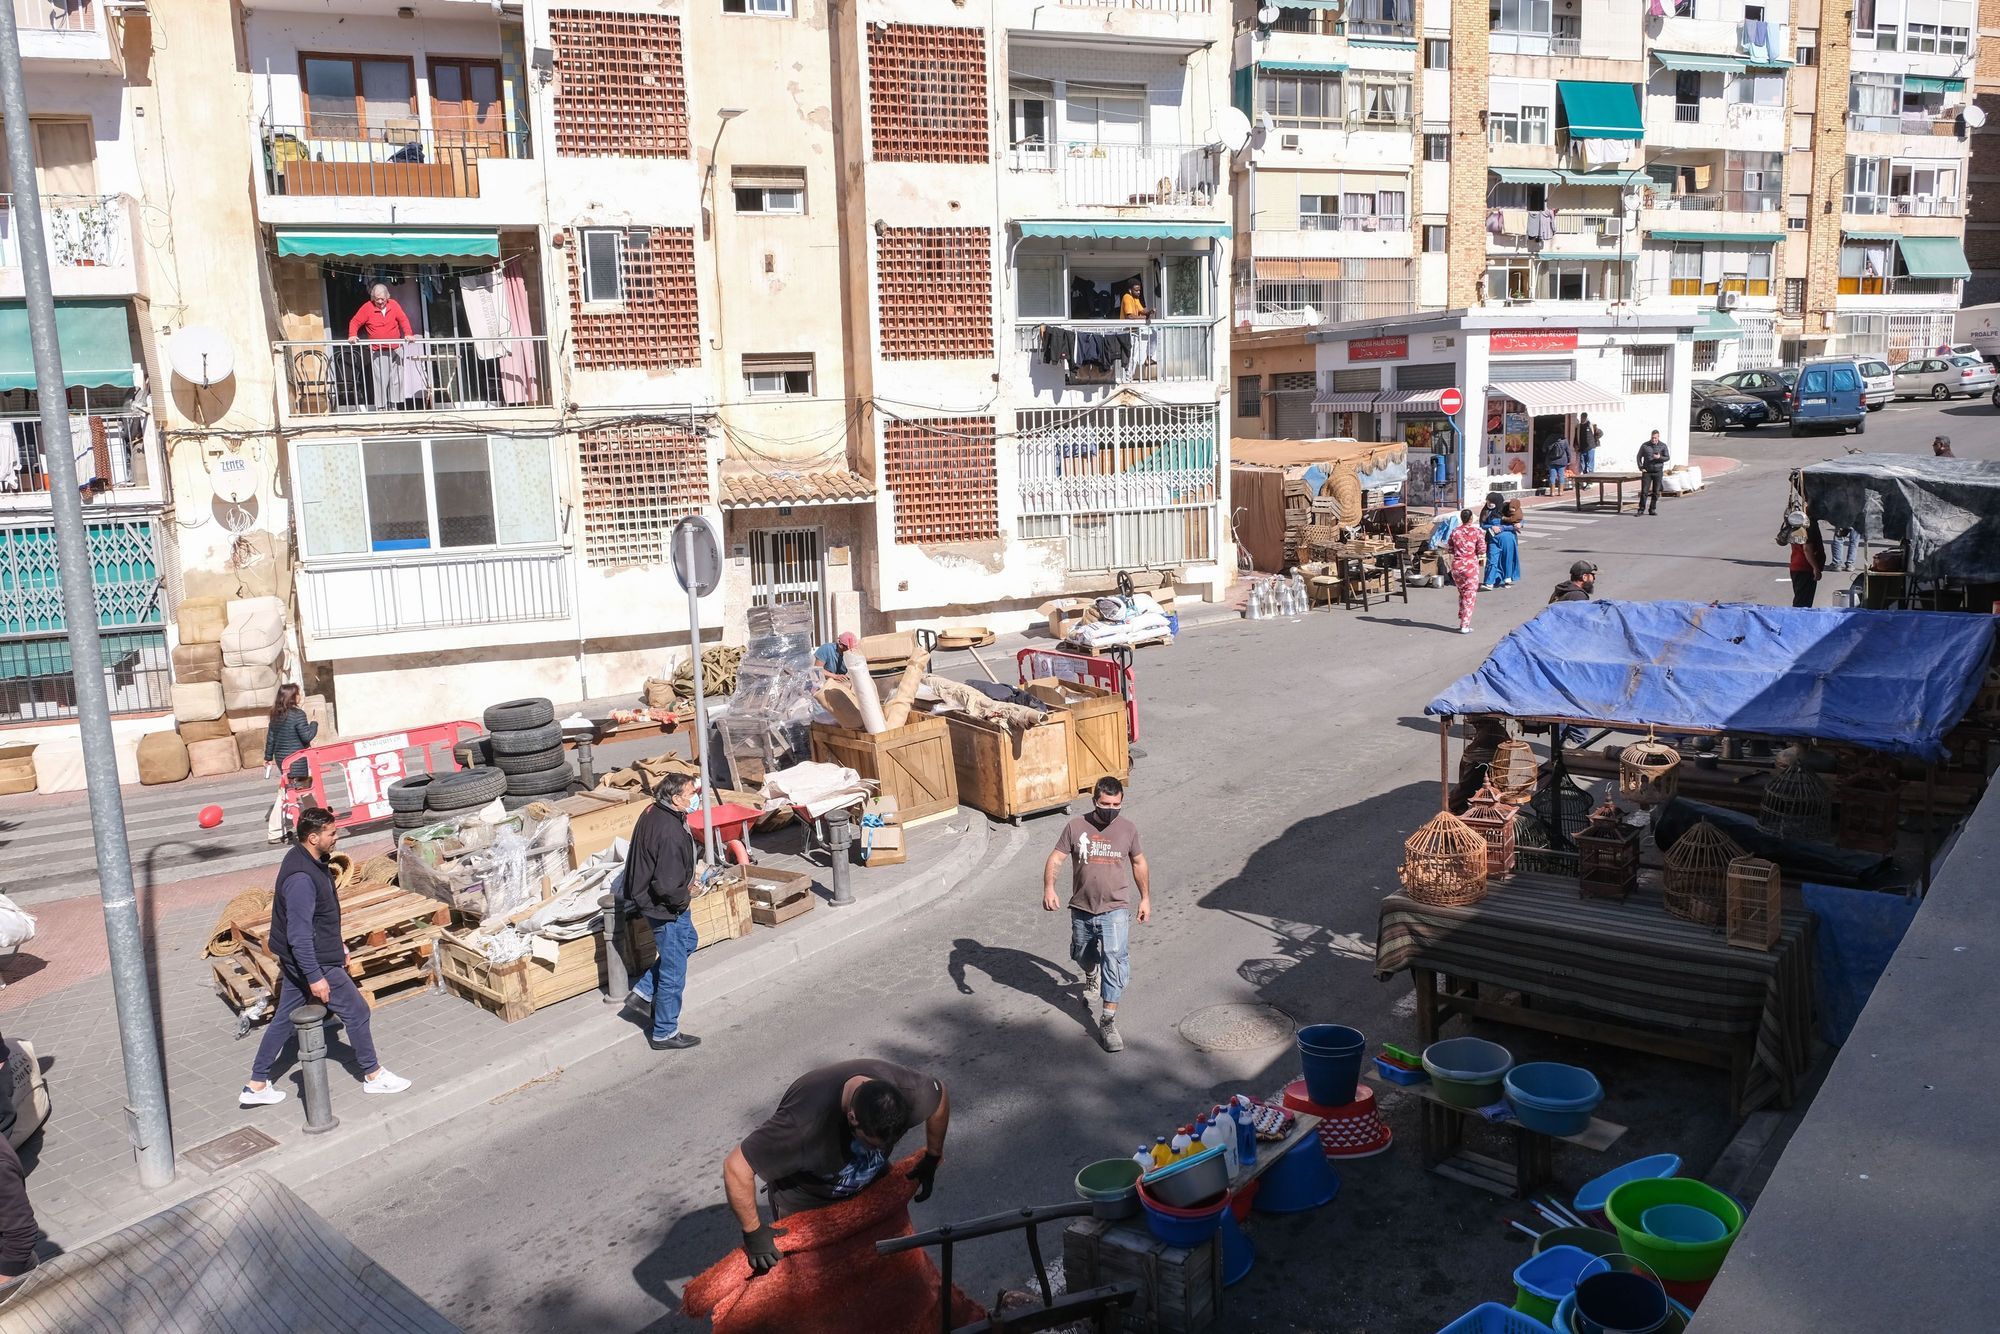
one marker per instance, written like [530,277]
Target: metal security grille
[785,566]
[943,475]
[935,290]
[1132,486]
[619,87]
[35,679]
[1760,344]
[638,481]
[927,93]
[658,321]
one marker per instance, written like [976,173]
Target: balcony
[1161,351]
[92,248]
[328,378]
[398,175]
[109,444]
[62,35]
[1352,222]
[1147,6]
[1919,123]
[1765,201]
[1149,176]
[377,597]
[1905,207]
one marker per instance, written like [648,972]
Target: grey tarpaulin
[1944,509]
[248,1257]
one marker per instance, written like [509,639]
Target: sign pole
[1452,403]
[685,567]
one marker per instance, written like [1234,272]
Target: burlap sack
[212,757]
[202,620]
[163,758]
[250,747]
[207,729]
[198,703]
[255,635]
[195,663]
[249,687]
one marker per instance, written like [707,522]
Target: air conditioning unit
[1289,142]
[1727,300]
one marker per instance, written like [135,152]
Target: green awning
[400,244]
[1526,176]
[1601,110]
[1933,257]
[1918,83]
[1869,236]
[1719,327]
[94,337]
[1721,238]
[1691,62]
[1303,66]
[1082,229]
[1605,179]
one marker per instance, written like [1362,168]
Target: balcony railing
[1687,113]
[84,231]
[326,378]
[388,595]
[107,445]
[1155,6]
[1738,202]
[1160,350]
[55,15]
[1905,123]
[1126,175]
[1352,222]
[381,162]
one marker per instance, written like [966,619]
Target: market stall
[1278,487]
[1939,511]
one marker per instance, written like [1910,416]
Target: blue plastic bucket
[1301,1180]
[1331,1057]
[1237,1252]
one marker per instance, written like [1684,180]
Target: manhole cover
[1237,1027]
[231,1148]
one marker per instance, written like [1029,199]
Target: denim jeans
[1104,941]
[346,1002]
[662,984]
[1841,553]
[1588,463]
[1556,472]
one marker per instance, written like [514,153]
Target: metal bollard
[839,838]
[617,984]
[310,1021]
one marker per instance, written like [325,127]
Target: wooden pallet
[391,938]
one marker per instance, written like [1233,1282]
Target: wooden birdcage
[1649,773]
[1444,863]
[1563,807]
[1696,877]
[1756,905]
[1532,852]
[1513,771]
[1494,819]
[1607,855]
[1796,804]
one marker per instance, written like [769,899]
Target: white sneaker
[1465,629]
[263,1097]
[384,1082]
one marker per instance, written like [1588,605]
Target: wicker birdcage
[1649,773]
[1607,855]
[1756,905]
[1513,772]
[1444,863]
[1532,851]
[1796,804]
[1697,874]
[1494,819]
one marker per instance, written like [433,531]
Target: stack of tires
[526,744]
[425,799]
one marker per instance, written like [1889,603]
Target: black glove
[760,1248]
[925,1175]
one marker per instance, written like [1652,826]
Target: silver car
[1942,377]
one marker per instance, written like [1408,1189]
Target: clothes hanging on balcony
[1145,341]
[1496,221]
[485,312]
[1606,152]
[1058,345]
[1757,40]
[1656,9]
[520,365]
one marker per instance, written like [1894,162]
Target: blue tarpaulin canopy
[1893,681]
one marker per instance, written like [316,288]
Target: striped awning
[1695,63]
[1551,396]
[1409,400]
[1526,175]
[1347,402]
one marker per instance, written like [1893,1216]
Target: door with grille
[786,566]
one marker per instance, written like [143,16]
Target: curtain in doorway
[519,373]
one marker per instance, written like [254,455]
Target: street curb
[595,1030]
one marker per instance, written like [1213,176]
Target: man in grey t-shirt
[1102,847]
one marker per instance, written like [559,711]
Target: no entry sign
[1450,401]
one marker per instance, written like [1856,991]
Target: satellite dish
[200,355]
[1311,315]
[1232,127]
[1974,116]
[1631,200]
[1268,15]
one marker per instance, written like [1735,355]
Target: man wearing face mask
[659,882]
[1101,847]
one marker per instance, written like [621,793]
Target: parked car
[1717,407]
[1979,375]
[1878,384]
[1829,393]
[1769,385]
[1942,377]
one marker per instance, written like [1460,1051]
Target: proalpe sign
[1378,349]
[1530,340]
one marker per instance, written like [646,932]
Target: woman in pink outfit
[1467,546]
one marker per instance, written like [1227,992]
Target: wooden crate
[1100,744]
[1180,1289]
[1009,774]
[721,914]
[517,989]
[912,764]
[778,896]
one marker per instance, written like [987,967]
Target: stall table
[1650,982]
[1533,1165]
[1615,480]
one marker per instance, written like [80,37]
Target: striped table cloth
[1630,962]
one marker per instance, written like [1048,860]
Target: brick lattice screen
[620,91]
[936,292]
[942,473]
[658,324]
[638,480]
[927,93]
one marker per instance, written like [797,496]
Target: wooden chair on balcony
[310,370]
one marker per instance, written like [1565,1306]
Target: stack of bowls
[1181,1227]
[1466,1072]
[1695,1252]
[1553,1099]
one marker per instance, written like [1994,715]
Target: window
[1514,194]
[1864,267]
[1379,99]
[1532,17]
[1744,271]
[1684,269]
[1645,370]
[1705,353]
[1437,53]
[1687,97]
[934,292]
[648,275]
[927,93]
[1030,112]
[604,263]
[439,493]
[1437,147]
[1040,287]
[1873,100]
[1305,102]
[619,88]
[1105,114]
[776,377]
[358,97]
[1526,123]
[1795,296]
[1250,396]
[1806,53]
[770,9]
[1759,90]
[769,189]
[1319,213]
[639,480]
[1434,238]
[1507,282]
[1185,278]
[1867,179]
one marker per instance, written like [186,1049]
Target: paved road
[1286,763]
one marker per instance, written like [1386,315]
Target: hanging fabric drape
[520,372]
[485,302]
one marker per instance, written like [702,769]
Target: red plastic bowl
[1242,1198]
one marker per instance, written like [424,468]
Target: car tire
[407,794]
[1704,420]
[465,789]
[541,781]
[1797,429]
[472,752]
[530,762]
[519,714]
[412,819]
[1940,393]
[526,740]
[1861,424]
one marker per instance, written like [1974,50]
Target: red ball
[210,817]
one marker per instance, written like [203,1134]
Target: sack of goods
[255,634]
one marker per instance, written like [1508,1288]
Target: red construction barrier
[351,778]
[1104,673]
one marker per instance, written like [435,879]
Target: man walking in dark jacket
[1652,472]
[312,962]
[659,881]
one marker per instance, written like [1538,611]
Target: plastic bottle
[1162,1153]
[1144,1157]
[1221,1134]
[1181,1144]
[1246,1131]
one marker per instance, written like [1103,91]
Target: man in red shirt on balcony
[386,326]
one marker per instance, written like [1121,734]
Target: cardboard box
[17,769]
[885,846]
[885,806]
[598,818]
[1066,614]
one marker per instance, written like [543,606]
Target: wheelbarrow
[732,827]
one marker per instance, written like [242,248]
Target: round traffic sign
[696,555]
[1450,401]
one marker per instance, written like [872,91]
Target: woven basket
[1513,772]
[1444,863]
[1344,488]
[1796,804]
[342,868]
[1649,773]
[1696,875]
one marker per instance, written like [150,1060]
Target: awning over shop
[1302,66]
[1526,176]
[1406,401]
[1918,83]
[1602,179]
[1719,238]
[94,337]
[1719,326]
[1893,681]
[1552,396]
[1941,509]
[1083,229]
[399,244]
[1934,256]
[1601,110]
[1691,62]
[1347,402]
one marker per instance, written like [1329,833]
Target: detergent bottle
[1144,1157]
[1182,1143]
[1246,1131]
[1162,1152]
[1220,1133]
